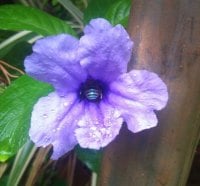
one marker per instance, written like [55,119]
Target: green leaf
[118,13]
[91,158]
[1,89]
[15,111]
[16,17]
[97,8]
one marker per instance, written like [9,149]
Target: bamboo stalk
[166,35]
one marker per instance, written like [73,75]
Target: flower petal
[142,87]
[137,94]
[104,50]
[140,120]
[98,126]
[65,139]
[54,60]
[97,25]
[137,116]
[52,122]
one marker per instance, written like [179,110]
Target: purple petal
[140,120]
[105,50]
[97,25]
[52,122]
[137,94]
[65,139]
[98,126]
[143,87]
[54,60]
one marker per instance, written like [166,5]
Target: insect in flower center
[92,90]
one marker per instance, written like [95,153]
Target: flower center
[91,90]
[93,94]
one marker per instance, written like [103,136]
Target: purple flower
[93,93]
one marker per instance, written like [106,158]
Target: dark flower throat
[92,90]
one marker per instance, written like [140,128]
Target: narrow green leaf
[91,158]
[73,10]
[16,17]
[118,13]
[21,162]
[3,180]
[16,103]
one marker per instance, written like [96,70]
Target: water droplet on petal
[97,134]
[93,128]
[58,118]
[54,80]
[65,104]
[51,51]
[47,139]
[45,116]
[108,132]
[58,128]
[98,140]
[62,95]
[91,134]
[103,130]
